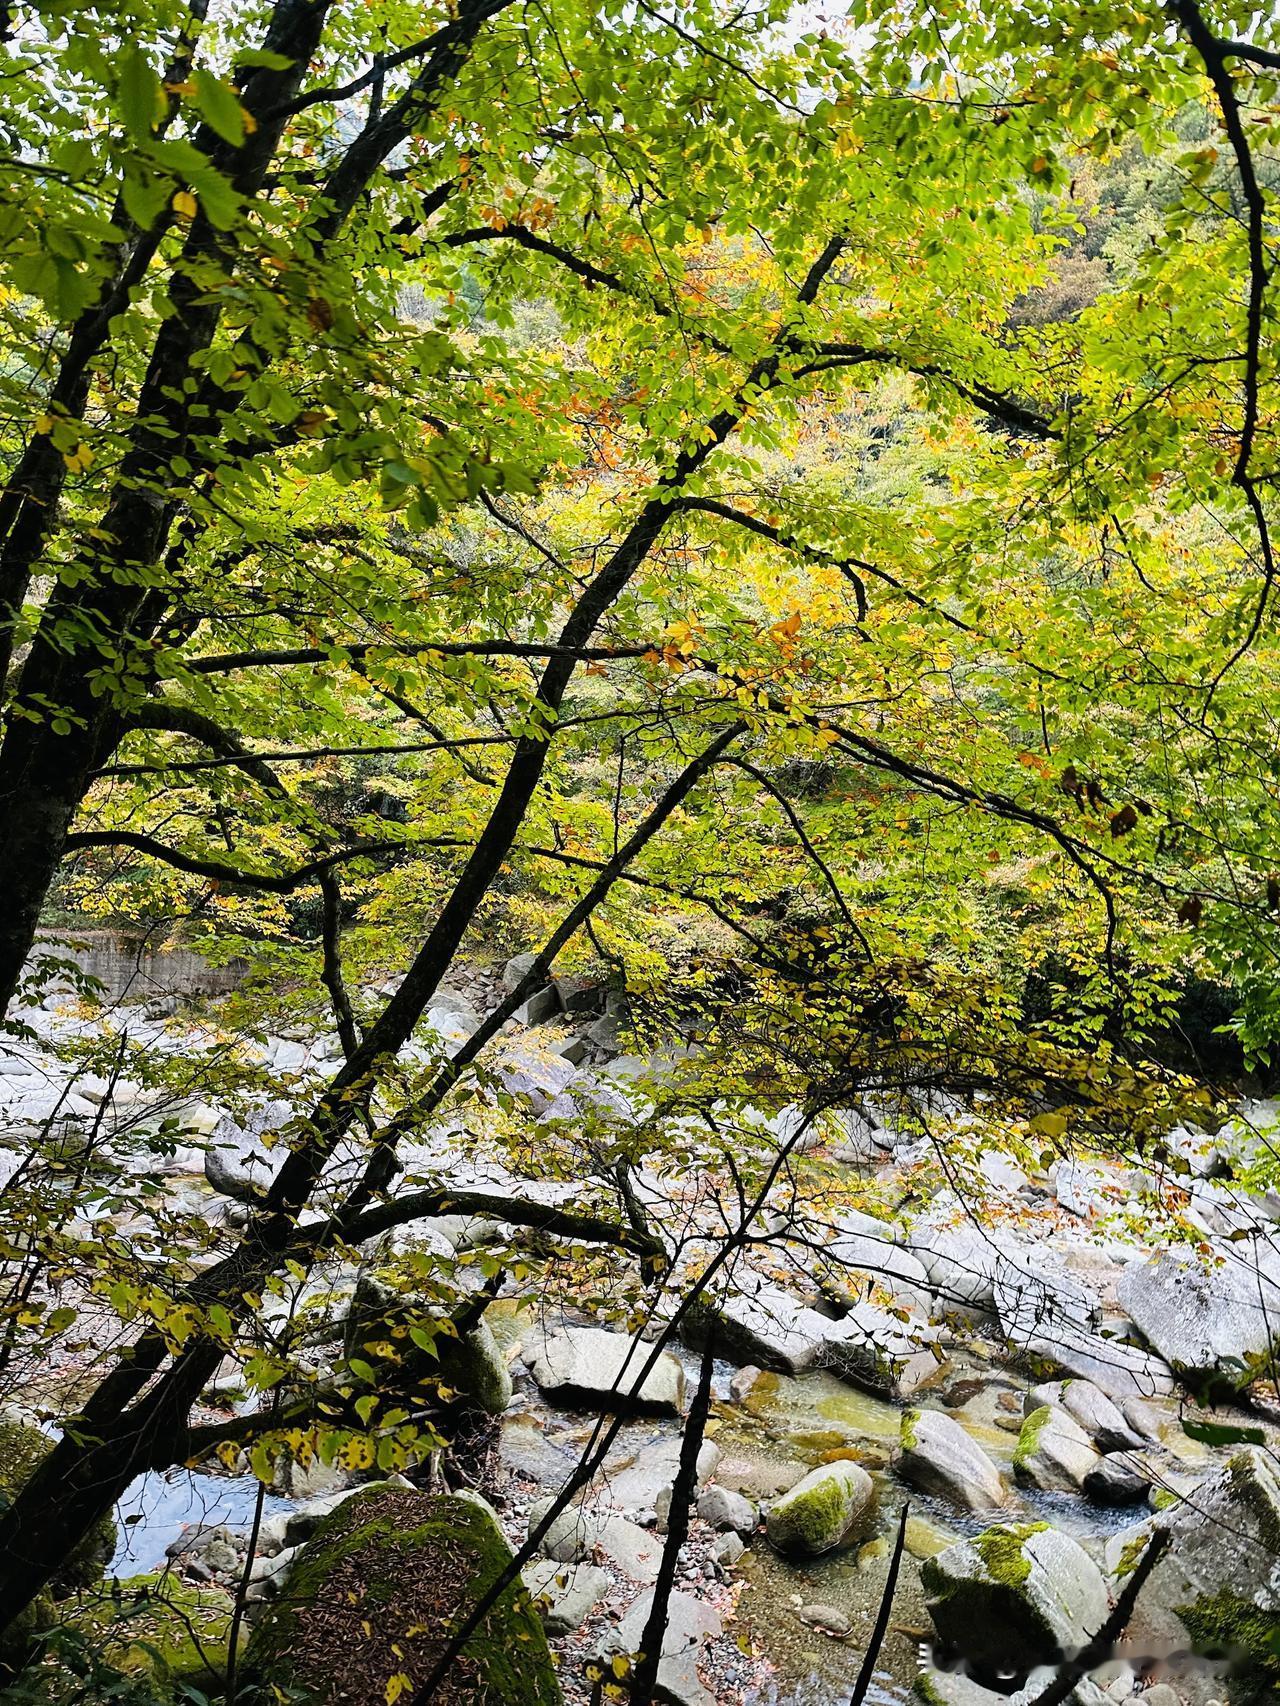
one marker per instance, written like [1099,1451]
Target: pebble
[827,1619]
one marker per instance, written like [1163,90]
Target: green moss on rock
[1002,1551]
[1032,1428]
[157,1626]
[830,1507]
[376,1593]
[22,1450]
[1227,1625]
[992,1604]
[908,1436]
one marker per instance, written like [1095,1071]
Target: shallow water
[159,1505]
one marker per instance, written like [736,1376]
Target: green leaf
[1220,1433]
[144,197]
[139,94]
[219,106]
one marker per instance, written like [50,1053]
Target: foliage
[779,520]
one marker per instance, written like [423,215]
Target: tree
[254,508]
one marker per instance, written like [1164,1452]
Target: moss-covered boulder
[22,1449]
[472,1365]
[1016,1596]
[831,1506]
[938,1456]
[156,1626]
[1054,1453]
[1219,1580]
[375,1593]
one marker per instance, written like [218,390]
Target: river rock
[938,1456]
[723,1508]
[564,1595]
[763,1324]
[1013,1597]
[396,1566]
[516,970]
[1123,1371]
[881,1352]
[644,1478]
[579,1533]
[472,1365]
[268,1575]
[742,1381]
[690,1624]
[1120,1478]
[863,1249]
[1206,1321]
[1101,1419]
[959,1260]
[1054,1452]
[828,1618]
[525,1450]
[728,1549]
[600,1368]
[1217,1587]
[832,1506]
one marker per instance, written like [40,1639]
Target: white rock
[938,1456]
[604,1368]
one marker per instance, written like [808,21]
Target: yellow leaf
[397,1684]
[184,204]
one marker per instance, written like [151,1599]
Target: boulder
[938,1456]
[1039,1302]
[173,1634]
[725,1509]
[881,1352]
[516,970]
[1120,1478]
[863,1250]
[690,1624]
[374,1590]
[1013,1597]
[1208,1321]
[525,1450]
[642,1479]
[831,1506]
[472,1365]
[592,1366]
[764,1325]
[564,1595]
[1217,1587]
[580,1532]
[1101,1419]
[1054,1452]
[300,1524]
[959,1260]
[1123,1371]
[544,1004]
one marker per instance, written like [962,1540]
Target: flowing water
[159,1505]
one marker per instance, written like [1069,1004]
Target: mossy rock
[156,1626]
[832,1506]
[1227,1626]
[22,1450]
[1016,1596]
[375,1594]
[474,1366]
